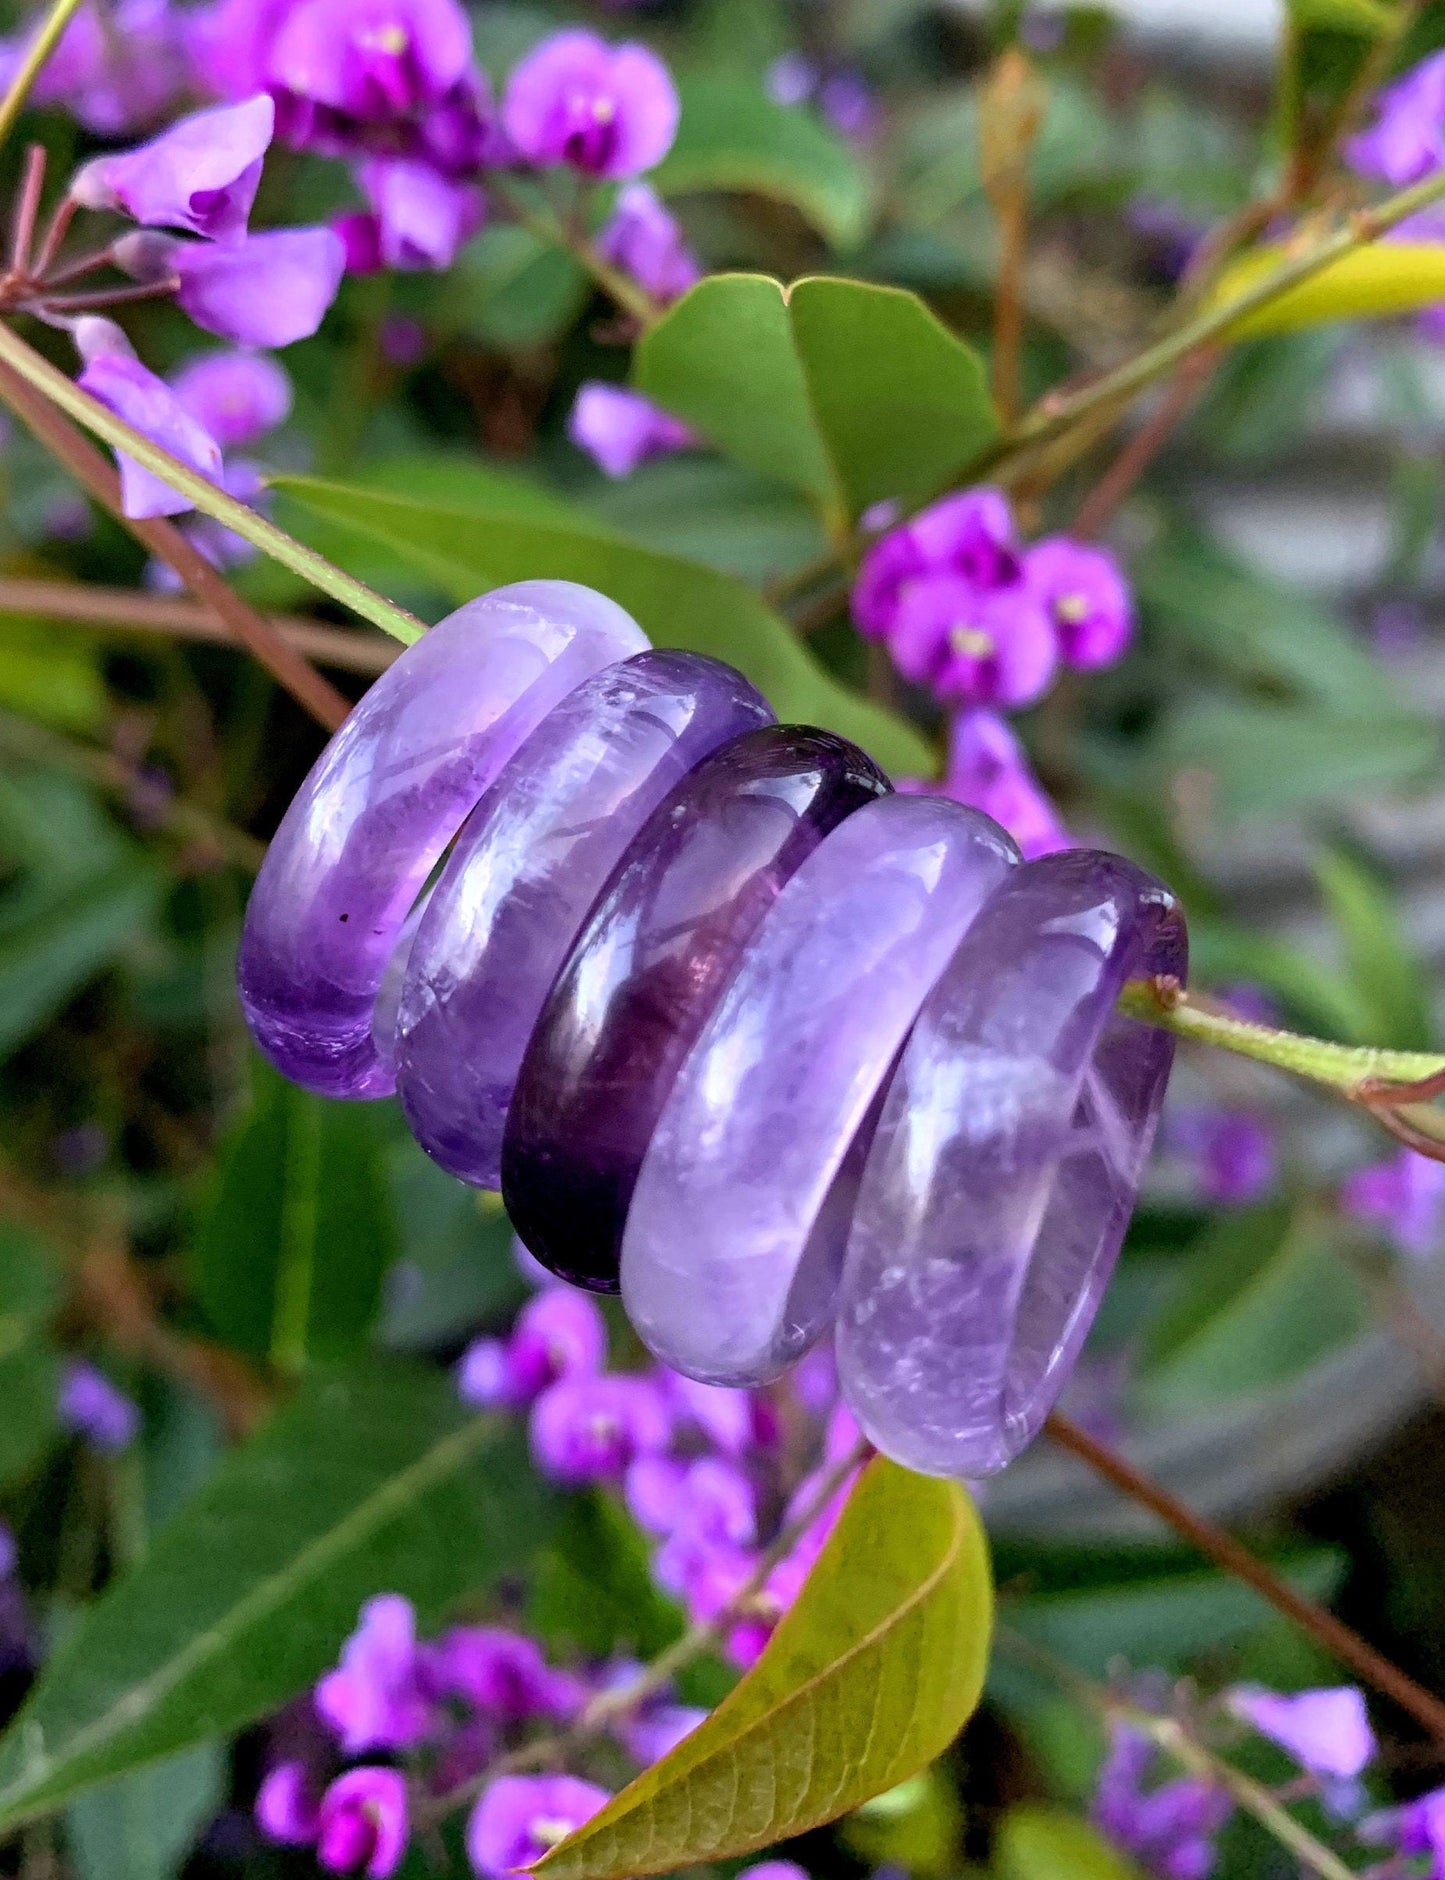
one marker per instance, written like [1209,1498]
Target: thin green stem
[549,226]
[211,501]
[39,50]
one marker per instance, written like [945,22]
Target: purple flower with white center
[987,769]
[609,111]
[969,535]
[973,645]
[501,1674]
[114,376]
[287,1809]
[520,1817]
[362,1823]
[1406,141]
[560,1333]
[588,1429]
[620,429]
[1232,1153]
[643,238]
[1404,1198]
[267,290]
[1086,597]
[201,175]
[91,1405]
[1326,1732]
[371,59]
[1168,1829]
[422,217]
[374,1699]
[236,397]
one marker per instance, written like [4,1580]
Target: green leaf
[593,1593]
[732,136]
[473,546]
[29,1286]
[455,1267]
[1263,1297]
[512,289]
[847,391]
[1036,1842]
[1370,283]
[707,509]
[46,677]
[1365,19]
[870,1675]
[29,1378]
[372,1479]
[141,1826]
[299,1234]
[1311,994]
[1385,973]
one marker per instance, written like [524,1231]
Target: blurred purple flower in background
[609,111]
[1327,1732]
[422,217]
[201,175]
[113,74]
[1406,141]
[370,59]
[501,1673]
[588,1429]
[362,1823]
[1232,1153]
[267,290]
[1086,596]
[1404,1198]
[91,1405]
[520,1817]
[643,238]
[560,1333]
[1168,1828]
[287,1809]
[989,770]
[235,396]
[374,1699]
[621,429]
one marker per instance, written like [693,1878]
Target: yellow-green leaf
[1367,284]
[1039,1843]
[869,1676]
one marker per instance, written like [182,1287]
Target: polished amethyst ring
[735,1030]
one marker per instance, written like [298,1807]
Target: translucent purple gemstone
[1005,1165]
[730,1263]
[658,951]
[388,793]
[530,862]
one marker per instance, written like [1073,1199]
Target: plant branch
[126,610]
[1134,459]
[166,541]
[38,51]
[550,227]
[1338,1639]
[77,404]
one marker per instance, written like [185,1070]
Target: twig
[607,1706]
[126,610]
[1226,1553]
[27,207]
[253,527]
[166,541]
[1010,112]
[38,51]
[1134,459]
[548,226]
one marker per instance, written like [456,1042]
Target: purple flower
[715,1509]
[8,1552]
[1232,1151]
[653,1492]
[362,1823]
[1404,1197]
[112,76]
[520,1817]
[727,1418]
[847,102]
[1406,141]
[286,1809]
[972,644]
[1326,1732]
[1168,1829]
[621,429]
[501,1674]
[1417,1828]
[236,397]
[774,1870]
[791,79]
[1086,596]
[201,175]
[371,59]
[988,770]
[560,1333]
[230,44]
[970,535]
[644,240]
[116,378]
[91,1405]
[267,290]
[422,217]
[588,1429]
[656,1728]
[374,1699]
[608,111]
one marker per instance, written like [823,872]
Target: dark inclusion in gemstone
[659,949]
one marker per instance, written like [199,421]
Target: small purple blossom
[370,59]
[117,379]
[725,1417]
[422,217]
[1086,597]
[520,1817]
[362,1823]
[1403,1197]
[287,1810]
[609,111]
[374,1699]
[1169,1829]
[643,238]
[8,1552]
[588,1429]
[715,1508]
[653,1492]
[560,1333]
[774,1870]
[988,770]
[113,75]
[1232,1153]
[268,290]
[235,396]
[201,175]
[973,645]
[1406,141]
[501,1674]
[620,429]
[1326,1732]
[1416,1828]
[91,1405]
